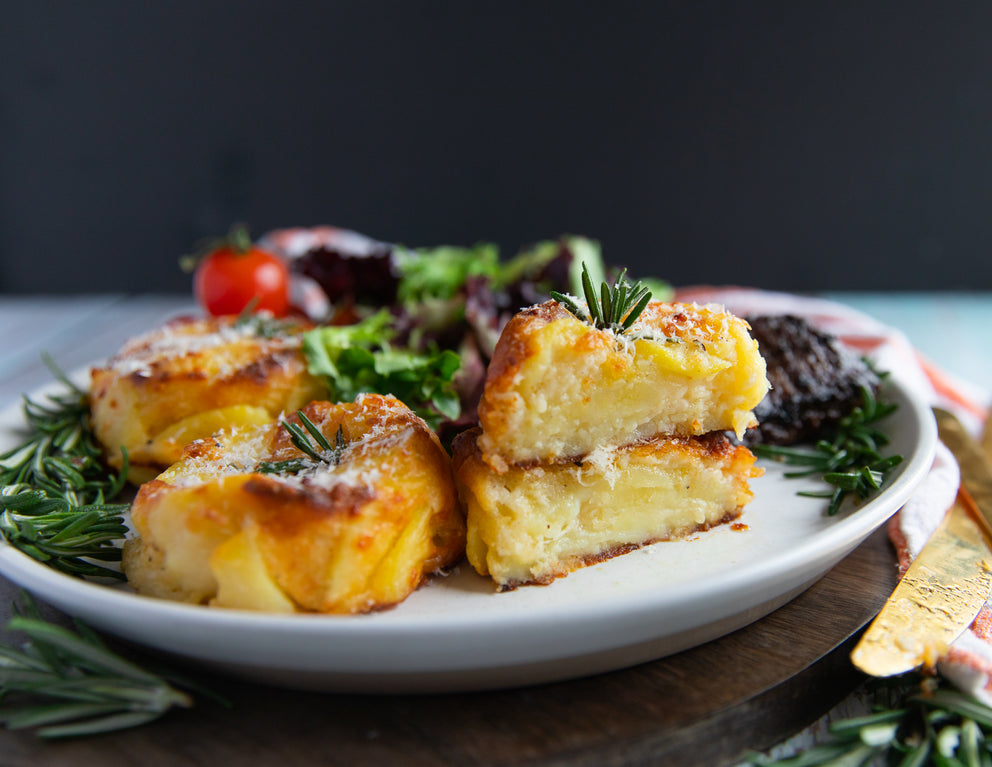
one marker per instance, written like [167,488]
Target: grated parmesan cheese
[177,340]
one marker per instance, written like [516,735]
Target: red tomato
[227,280]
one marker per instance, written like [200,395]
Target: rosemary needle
[68,683]
[324,452]
[851,461]
[67,538]
[615,308]
[917,721]
[55,492]
[60,454]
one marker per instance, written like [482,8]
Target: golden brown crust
[353,537]
[181,381]
[558,387]
[516,343]
[572,564]
[531,525]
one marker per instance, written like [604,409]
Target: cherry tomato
[228,279]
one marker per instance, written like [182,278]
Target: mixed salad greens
[361,358]
[423,323]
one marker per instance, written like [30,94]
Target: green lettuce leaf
[441,272]
[584,252]
[660,290]
[528,264]
[356,359]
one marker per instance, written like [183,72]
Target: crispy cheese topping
[184,338]
[241,451]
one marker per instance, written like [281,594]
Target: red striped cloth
[968,663]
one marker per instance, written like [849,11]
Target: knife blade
[936,600]
[949,581]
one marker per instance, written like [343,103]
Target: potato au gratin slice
[559,388]
[192,377]
[534,523]
[247,520]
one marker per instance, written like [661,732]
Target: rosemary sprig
[852,462]
[321,452]
[55,491]
[71,539]
[614,308]
[927,723]
[263,325]
[60,455]
[68,683]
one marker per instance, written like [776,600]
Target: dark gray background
[797,146]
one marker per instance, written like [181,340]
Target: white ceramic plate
[458,634]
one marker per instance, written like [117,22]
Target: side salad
[422,323]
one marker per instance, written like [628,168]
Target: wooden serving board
[706,706]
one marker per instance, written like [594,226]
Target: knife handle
[969,505]
[987,439]
[976,477]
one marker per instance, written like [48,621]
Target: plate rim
[829,545]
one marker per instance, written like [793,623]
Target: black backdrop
[797,146]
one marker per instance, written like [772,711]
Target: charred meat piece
[815,381]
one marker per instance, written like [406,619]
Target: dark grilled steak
[815,381]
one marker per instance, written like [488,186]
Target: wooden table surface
[748,690]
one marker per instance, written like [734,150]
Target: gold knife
[987,440]
[976,476]
[948,582]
